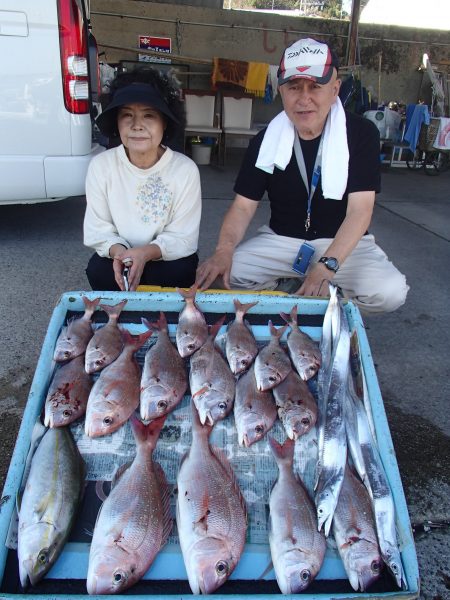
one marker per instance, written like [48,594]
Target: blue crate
[74,559]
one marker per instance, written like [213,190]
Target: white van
[46,95]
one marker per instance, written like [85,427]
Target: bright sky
[432,14]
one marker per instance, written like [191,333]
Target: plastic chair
[200,111]
[236,118]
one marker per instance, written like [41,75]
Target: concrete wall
[204,33]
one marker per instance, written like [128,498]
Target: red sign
[158,44]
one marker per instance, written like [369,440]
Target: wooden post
[380,58]
[353,33]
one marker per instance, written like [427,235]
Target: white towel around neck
[278,142]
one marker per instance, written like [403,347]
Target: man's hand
[217,265]
[316,281]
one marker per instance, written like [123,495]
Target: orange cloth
[251,77]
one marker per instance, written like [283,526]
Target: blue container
[253,566]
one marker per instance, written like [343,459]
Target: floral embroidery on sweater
[154,200]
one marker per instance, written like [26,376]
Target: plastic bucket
[201,154]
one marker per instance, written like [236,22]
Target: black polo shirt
[288,195]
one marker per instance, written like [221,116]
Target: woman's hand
[135,259]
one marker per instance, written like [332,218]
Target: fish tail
[283,453]
[196,423]
[90,305]
[159,325]
[214,329]
[190,293]
[242,309]
[113,311]
[277,332]
[135,341]
[147,434]
[291,318]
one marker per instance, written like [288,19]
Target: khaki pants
[367,276]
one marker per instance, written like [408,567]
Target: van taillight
[74,56]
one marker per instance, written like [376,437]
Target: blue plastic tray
[72,564]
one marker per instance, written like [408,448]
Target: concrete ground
[41,256]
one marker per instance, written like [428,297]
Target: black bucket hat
[141,93]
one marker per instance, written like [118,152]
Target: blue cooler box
[166,578]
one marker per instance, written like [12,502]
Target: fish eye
[244,362]
[305,421]
[376,566]
[222,405]
[394,568]
[222,567]
[107,420]
[305,575]
[119,576]
[67,414]
[42,557]
[259,429]
[162,404]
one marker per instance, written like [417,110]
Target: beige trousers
[367,276]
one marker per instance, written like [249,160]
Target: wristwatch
[330,262]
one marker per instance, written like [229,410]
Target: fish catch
[134,521]
[115,394]
[332,440]
[49,504]
[296,546]
[297,408]
[192,329]
[254,411]
[211,381]
[304,351]
[211,514]
[68,394]
[107,343]
[240,348]
[272,364]
[164,380]
[354,532]
[74,337]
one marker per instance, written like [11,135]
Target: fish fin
[277,332]
[266,570]
[147,434]
[114,311]
[283,453]
[214,329]
[135,341]
[119,472]
[242,309]
[165,500]
[159,325]
[190,293]
[201,524]
[226,465]
[90,305]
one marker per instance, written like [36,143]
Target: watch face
[332,263]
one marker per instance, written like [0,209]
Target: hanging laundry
[251,77]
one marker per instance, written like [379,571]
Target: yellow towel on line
[256,79]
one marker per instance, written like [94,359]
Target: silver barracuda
[304,351]
[115,394]
[164,379]
[134,521]
[211,514]
[68,393]
[380,493]
[74,337]
[296,546]
[354,533]
[297,408]
[255,412]
[272,364]
[49,504]
[212,383]
[240,348]
[107,343]
[192,329]
[332,387]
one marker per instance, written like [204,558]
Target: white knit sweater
[135,207]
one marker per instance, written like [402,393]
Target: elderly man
[320,168]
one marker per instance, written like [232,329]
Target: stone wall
[203,33]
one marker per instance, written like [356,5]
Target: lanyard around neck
[315,176]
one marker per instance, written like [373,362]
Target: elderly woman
[143,199]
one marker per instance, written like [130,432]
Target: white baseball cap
[310,59]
